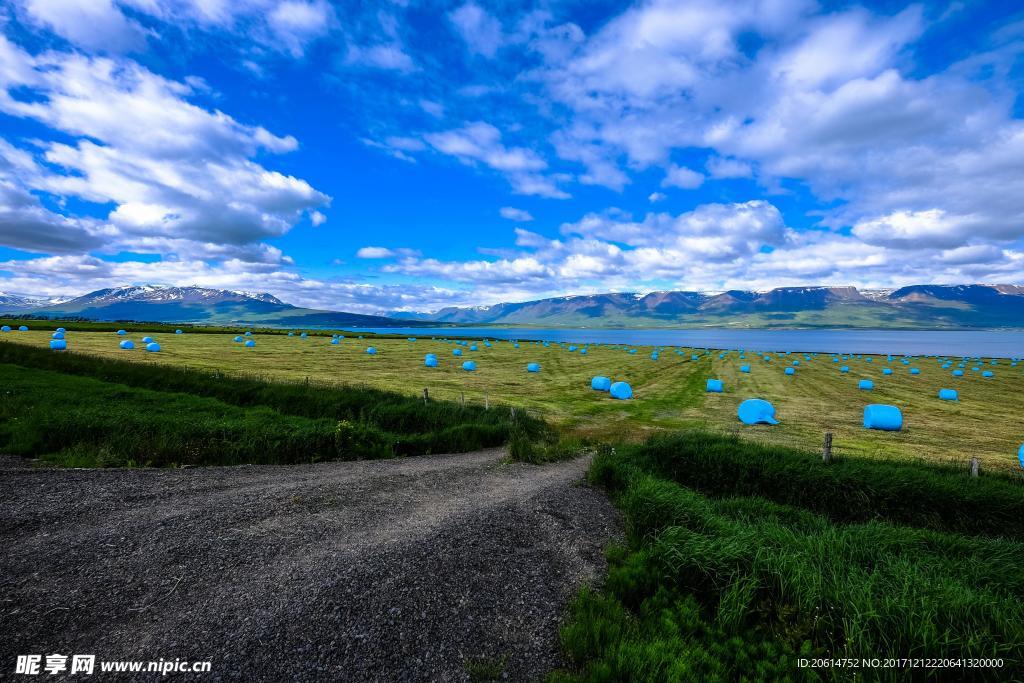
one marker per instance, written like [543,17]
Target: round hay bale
[958,373]
[756,411]
[57,335]
[371,351]
[122,333]
[714,386]
[178,332]
[153,347]
[456,352]
[250,343]
[883,417]
[915,371]
[886,371]
[744,368]
[58,345]
[127,344]
[148,340]
[23,328]
[430,360]
[988,373]
[237,340]
[533,367]
[469,366]
[866,385]
[790,371]
[621,391]
[600,383]
[949,395]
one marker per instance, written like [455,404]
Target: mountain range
[917,306]
[914,307]
[156,303]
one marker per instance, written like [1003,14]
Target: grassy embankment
[741,559]
[80,410]
[669,392]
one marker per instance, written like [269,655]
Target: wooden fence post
[826,450]
[975,467]
[426,395]
[487,403]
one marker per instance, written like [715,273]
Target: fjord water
[987,343]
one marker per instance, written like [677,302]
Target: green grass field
[732,574]
[669,392]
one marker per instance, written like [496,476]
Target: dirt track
[387,570]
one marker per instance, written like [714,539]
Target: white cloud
[680,176]
[172,170]
[719,168]
[514,214]
[480,143]
[94,24]
[656,197]
[481,31]
[375,252]
[297,23]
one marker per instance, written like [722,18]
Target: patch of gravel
[399,570]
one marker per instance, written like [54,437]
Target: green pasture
[669,393]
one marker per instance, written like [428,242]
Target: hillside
[918,306]
[193,305]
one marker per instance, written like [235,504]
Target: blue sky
[413,155]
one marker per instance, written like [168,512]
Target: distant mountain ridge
[917,306]
[193,304]
[913,307]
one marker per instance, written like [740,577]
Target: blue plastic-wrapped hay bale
[335,341]
[756,411]
[583,352]
[533,367]
[304,335]
[958,373]
[473,347]
[153,347]
[58,345]
[714,386]
[844,369]
[883,417]
[371,351]
[121,333]
[949,395]
[790,371]
[886,371]
[988,373]
[61,330]
[178,332]
[1020,455]
[250,343]
[469,366]
[23,328]
[744,368]
[430,360]
[238,339]
[654,356]
[127,344]
[621,391]
[600,383]
[57,335]
[915,371]
[248,334]
[5,328]
[148,340]
[456,352]
[865,385]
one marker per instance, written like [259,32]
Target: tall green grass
[416,426]
[738,587]
[847,490]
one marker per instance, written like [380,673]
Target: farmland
[669,392]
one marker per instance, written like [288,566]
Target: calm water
[996,344]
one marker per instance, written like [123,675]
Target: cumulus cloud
[481,31]
[680,176]
[173,171]
[514,214]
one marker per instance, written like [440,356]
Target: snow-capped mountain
[158,303]
[916,306]
[16,303]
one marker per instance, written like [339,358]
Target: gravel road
[427,568]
